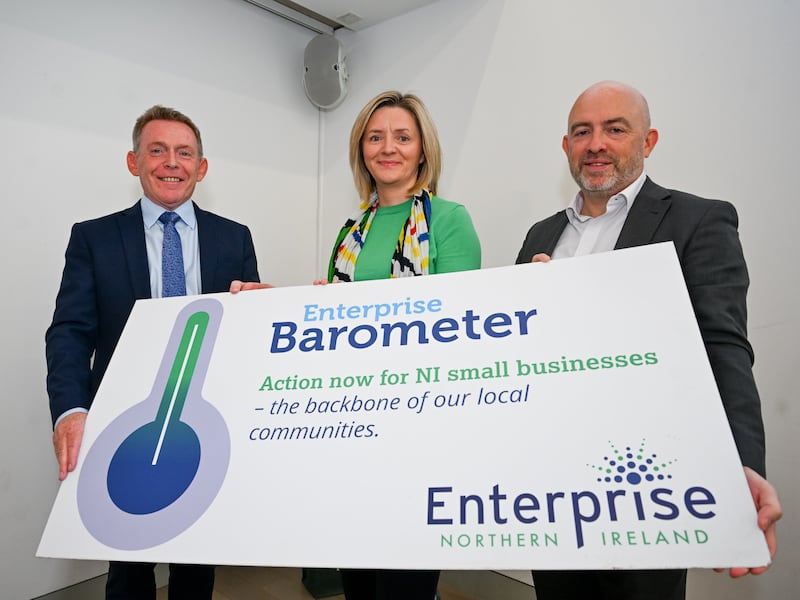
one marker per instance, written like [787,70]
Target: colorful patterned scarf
[410,256]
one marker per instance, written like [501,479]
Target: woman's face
[392,149]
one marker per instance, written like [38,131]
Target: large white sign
[558,415]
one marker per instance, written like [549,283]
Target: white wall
[75,75]
[499,77]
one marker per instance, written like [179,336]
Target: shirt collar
[151,211]
[628,195]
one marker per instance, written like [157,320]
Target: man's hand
[242,286]
[67,439]
[765,497]
[541,257]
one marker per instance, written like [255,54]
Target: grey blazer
[707,241]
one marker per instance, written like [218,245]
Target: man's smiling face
[168,163]
[608,138]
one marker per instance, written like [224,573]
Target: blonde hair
[431,167]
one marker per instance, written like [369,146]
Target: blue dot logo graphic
[632,465]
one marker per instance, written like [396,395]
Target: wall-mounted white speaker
[325,72]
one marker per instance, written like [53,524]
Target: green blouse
[453,244]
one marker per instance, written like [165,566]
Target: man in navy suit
[618,206]
[115,260]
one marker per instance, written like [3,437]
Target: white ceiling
[352,14]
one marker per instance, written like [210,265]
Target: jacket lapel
[551,231]
[209,250]
[645,216]
[131,231]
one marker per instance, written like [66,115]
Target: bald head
[615,92]
[608,137]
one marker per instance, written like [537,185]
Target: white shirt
[589,235]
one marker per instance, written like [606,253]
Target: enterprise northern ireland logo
[632,499]
[156,468]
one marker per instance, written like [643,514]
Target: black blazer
[707,241]
[105,272]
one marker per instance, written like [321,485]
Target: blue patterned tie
[173,279]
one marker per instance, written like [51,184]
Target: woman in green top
[402,229]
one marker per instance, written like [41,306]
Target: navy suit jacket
[707,242]
[106,271]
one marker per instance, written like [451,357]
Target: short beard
[607,186]
[618,181]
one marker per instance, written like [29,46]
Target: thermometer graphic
[155,469]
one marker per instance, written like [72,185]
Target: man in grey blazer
[117,259]
[618,206]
